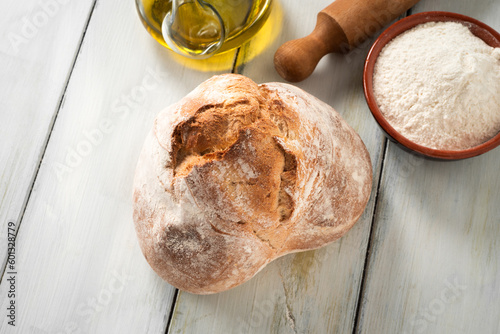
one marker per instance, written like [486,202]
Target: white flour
[439,86]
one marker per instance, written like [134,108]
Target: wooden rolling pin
[340,27]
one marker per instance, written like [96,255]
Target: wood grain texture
[37,49]
[435,264]
[80,269]
[315,291]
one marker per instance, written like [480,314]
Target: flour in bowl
[439,86]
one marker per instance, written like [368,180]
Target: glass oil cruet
[201,28]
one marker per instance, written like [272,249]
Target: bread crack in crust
[237,174]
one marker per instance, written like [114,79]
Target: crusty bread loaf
[237,174]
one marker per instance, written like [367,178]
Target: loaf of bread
[237,174]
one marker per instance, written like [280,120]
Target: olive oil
[198,28]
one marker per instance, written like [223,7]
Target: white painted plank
[80,269]
[435,261]
[315,291]
[38,45]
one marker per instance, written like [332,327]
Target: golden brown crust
[236,175]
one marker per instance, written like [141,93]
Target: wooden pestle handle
[340,27]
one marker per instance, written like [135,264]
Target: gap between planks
[363,283]
[370,243]
[172,310]
[49,133]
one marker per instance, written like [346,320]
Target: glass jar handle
[200,40]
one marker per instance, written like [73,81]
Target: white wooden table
[80,84]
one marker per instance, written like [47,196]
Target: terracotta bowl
[481,30]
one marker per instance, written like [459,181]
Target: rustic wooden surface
[77,101]
[37,51]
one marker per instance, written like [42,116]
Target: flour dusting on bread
[237,174]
